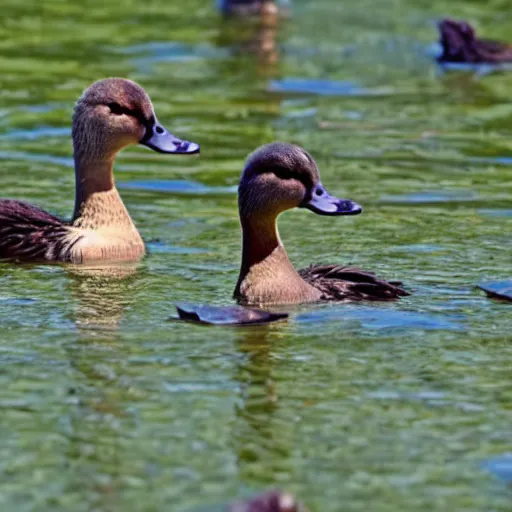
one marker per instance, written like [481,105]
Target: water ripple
[177,187]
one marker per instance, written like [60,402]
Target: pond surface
[107,406]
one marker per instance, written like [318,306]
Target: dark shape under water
[226,315]
[498,289]
[460,45]
[272,501]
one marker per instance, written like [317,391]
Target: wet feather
[337,282]
[29,233]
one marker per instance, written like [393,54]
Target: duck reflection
[102,389]
[261,434]
[102,293]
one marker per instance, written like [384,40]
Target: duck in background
[278,177]
[273,501]
[110,115]
[269,10]
[461,45]
[251,27]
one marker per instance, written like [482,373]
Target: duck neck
[265,264]
[97,201]
[260,239]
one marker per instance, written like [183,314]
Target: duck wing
[28,233]
[348,283]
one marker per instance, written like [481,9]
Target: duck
[270,501]
[267,10]
[278,177]
[110,114]
[461,45]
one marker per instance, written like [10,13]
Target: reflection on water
[177,187]
[384,319]
[325,87]
[500,466]
[260,434]
[101,293]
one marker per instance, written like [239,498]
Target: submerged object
[498,289]
[278,177]
[226,315]
[273,501]
[461,45]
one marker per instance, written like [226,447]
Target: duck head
[114,113]
[280,176]
[455,36]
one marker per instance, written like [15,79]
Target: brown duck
[279,177]
[110,115]
[460,45]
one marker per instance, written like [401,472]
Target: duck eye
[115,108]
[283,173]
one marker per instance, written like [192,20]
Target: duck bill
[323,203]
[159,139]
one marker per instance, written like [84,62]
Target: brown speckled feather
[29,233]
[346,283]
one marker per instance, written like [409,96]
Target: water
[107,406]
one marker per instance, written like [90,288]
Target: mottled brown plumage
[279,177]
[347,283]
[110,115]
[461,45]
[28,233]
[273,501]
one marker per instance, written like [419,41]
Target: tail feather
[348,283]
[29,233]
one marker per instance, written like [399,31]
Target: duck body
[110,115]
[278,177]
[28,233]
[461,45]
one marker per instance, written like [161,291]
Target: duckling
[110,115]
[278,177]
[460,45]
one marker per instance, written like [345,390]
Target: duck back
[29,233]
[351,284]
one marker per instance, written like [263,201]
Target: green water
[107,406]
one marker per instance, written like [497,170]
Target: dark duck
[278,177]
[266,9]
[110,115]
[461,45]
